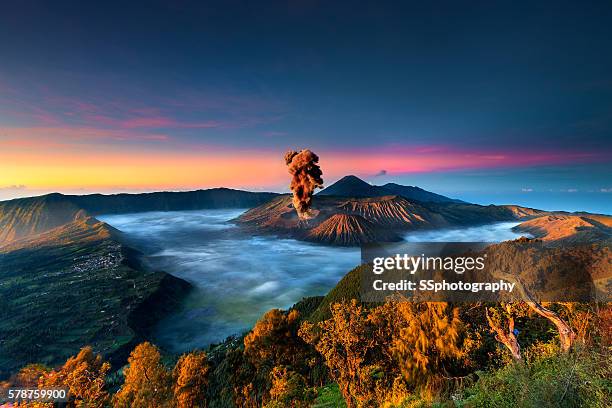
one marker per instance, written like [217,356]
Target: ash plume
[306,174]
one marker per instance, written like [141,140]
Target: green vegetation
[581,379]
[57,297]
[347,289]
[329,396]
[395,355]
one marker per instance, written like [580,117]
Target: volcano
[353,186]
[367,216]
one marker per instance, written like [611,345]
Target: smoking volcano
[306,176]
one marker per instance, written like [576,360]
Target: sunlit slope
[30,216]
[568,228]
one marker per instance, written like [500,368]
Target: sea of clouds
[238,276]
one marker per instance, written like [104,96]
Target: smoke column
[306,177]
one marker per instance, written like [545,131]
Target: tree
[274,340]
[566,333]
[289,389]
[498,320]
[29,376]
[190,377]
[429,339]
[85,377]
[344,342]
[147,382]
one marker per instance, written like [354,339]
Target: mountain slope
[345,229]
[352,186]
[417,193]
[27,217]
[30,216]
[567,228]
[73,285]
[392,212]
[169,201]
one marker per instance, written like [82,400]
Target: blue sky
[472,98]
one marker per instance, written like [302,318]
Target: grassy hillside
[73,286]
[348,288]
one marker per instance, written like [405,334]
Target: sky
[486,101]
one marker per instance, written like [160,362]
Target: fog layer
[237,276]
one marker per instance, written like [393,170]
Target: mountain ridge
[353,186]
[26,217]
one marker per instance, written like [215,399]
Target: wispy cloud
[141,116]
[381,173]
[14,187]
[57,137]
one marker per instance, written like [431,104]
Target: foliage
[190,377]
[289,389]
[344,343]
[29,376]
[307,306]
[147,381]
[329,396]
[274,339]
[385,354]
[242,369]
[84,375]
[546,379]
[347,289]
[429,339]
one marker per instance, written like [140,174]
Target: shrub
[580,379]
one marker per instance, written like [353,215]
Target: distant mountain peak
[353,186]
[352,178]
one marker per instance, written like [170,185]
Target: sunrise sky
[480,101]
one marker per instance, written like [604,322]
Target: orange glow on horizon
[108,168]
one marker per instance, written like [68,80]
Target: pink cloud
[165,122]
[42,105]
[417,159]
[40,136]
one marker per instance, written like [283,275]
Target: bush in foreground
[580,379]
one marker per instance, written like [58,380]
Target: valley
[189,269]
